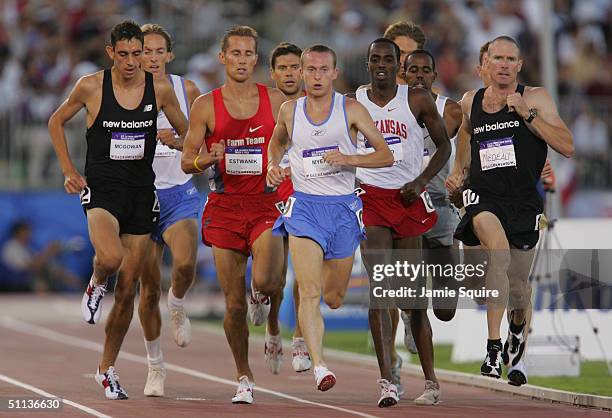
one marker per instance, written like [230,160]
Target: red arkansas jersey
[244,169]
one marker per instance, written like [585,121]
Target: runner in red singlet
[236,122]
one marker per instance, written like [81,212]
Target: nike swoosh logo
[391,110]
[251,130]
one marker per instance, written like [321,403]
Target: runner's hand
[517,104]
[74,182]
[167,137]
[411,191]
[454,181]
[336,158]
[217,151]
[275,176]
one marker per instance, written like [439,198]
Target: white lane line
[49,395]
[31,329]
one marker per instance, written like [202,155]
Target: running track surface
[45,345]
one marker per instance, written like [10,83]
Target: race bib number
[243,161]
[288,207]
[127,146]
[497,153]
[429,207]
[315,166]
[395,145]
[85,196]
[470,198]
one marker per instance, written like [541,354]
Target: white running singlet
[167,161]
[404,137]
[309,142]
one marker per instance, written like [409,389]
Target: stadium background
[45,46]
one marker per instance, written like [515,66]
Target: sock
[173,301]
[516,329]
[97,282]
[154,351]
[494,343]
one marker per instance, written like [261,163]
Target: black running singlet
[121,142]
[507,158]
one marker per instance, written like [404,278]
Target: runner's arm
[73,182]
[279,144]
[548,125]
[169,104]
[427,112]
[196,159]
[192,92]
[462,156]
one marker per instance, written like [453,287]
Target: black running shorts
[520,218]
[137,210]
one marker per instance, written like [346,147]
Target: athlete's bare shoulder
[466,101]
[453,109]
[90,82]
[204,101]
[287,109]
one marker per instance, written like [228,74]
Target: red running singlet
[244,169]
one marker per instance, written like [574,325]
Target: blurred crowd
[46,45]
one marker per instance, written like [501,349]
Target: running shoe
[109,380]
[91,303]
[273,352]
[259,306]
[408,337]
[517,374]
[431,394]
[244,393]
[181,326]
[515,343]
[492,364]
[301,358]
[395,376]
[324,378]
[388,394]
[155,380]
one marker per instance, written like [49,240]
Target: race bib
[315,166]
[162,150]
[395,145]
[497,153]
[243,161]
[127,146]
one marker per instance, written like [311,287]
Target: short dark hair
[238,30]
[406,28]
[321,49]
[483,50]
[128,29]
[507,39]
[282,49]
[423,52]
[385,41]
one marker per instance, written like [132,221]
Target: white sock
[154,351]
[173,301]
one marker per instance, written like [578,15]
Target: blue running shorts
[176,203]
[333,222]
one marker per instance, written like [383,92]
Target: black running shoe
[492,364]
[515,343]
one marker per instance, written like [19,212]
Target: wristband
[195,164]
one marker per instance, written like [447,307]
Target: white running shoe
[431,395]
[109,380]
[396,377]
[517,374]
[155,380]
[259,306]
[514,347]
[181,326]
[324,378]
[408,337]
[273,352]
[244,393]
[91,303]
[301,358]
[388,394]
